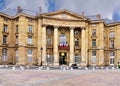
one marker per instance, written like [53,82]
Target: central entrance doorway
[62,58]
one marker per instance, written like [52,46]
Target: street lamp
[41,49]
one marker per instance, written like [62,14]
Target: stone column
[44,62]
[71,46]
[83,48]
[56,62]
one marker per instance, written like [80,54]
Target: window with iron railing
[93,42]
[4,39]
[111,43]
[93,56]
[5,29]
[29,39]
[30,28]
[94,32]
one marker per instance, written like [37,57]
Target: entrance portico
[63,38]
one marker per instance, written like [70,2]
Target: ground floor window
[93,56]
[4,54]
[112,56]
[17,56]
[49,58]
[30,55]
[77,58]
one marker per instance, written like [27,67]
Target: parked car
[74,66]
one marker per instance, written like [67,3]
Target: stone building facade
[57,38]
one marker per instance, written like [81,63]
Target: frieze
[63,23]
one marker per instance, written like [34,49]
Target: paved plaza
[37,77]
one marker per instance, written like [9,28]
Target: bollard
[13,68]
[113,68]
[86,68]
[93,68]
[71,68]
[64,68]
[27,66]
[106,68]
[48,68]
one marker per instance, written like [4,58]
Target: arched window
[4,54]
[63,39]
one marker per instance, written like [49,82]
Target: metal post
[41,54]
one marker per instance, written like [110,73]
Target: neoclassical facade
[57,38]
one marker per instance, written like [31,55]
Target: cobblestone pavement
[59,77]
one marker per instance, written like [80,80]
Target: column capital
[83,28]
[56,26]
[44,25]
[72,27]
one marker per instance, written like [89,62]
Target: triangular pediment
[64,14]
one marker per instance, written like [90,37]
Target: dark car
[74,66]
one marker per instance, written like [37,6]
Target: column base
[56,64]
[70,63]
[83,64]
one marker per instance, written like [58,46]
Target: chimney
[98,16]
[82,13]
[19,9]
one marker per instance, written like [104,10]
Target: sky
[107,8]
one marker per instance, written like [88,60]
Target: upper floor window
[4,54]
[94,32]
[5,28]
[93,42]
[49,42]
[29,39]
[49,31]
[16,39]
[30,27]
[112,27]
[112,34]
[30,55]
[5,19]
[4,39]
[16,28]
[76,42]
[30,20]
[111,43]
[63,39]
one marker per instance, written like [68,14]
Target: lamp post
[41,49]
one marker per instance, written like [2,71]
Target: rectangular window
[76,42]
[30,27]
[111,34]
[16,28]
[94,32]
[17,56]
[5,19]
[4,39]
[29,39]
[29,55]
[93,42]
[5,28]
[49,41]
[4,54]
[77,58]
[93,56]
[111,43]
[30,20]
[112,56]
[49,58]
[16,39]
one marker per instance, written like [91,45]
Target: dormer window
[5,19]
